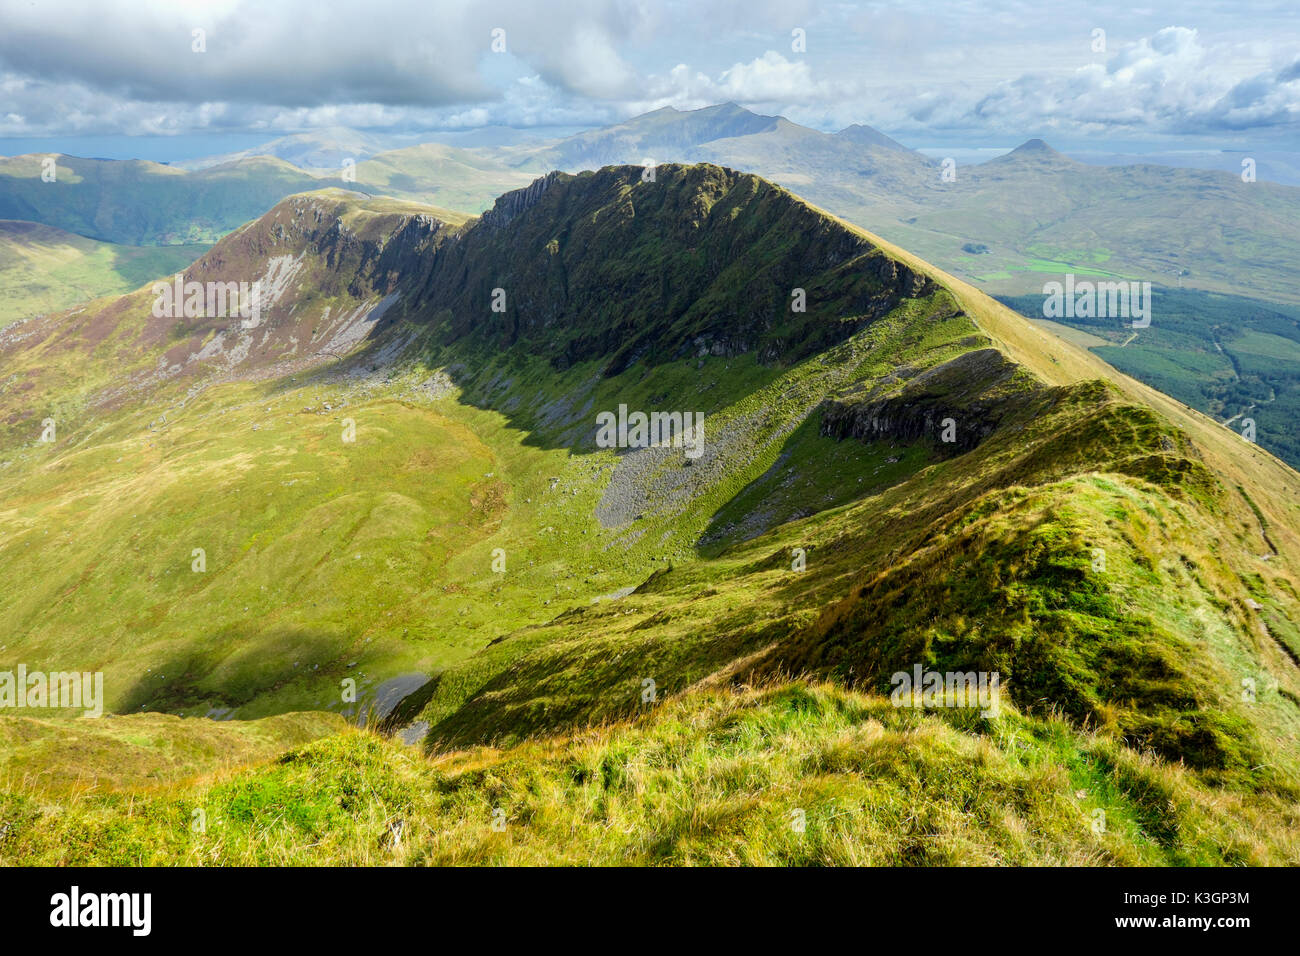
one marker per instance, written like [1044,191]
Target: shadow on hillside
[555,409]
[231,668]
[557,687]
[813,473]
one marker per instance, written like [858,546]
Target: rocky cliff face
[363,249]
[517,201]
[701,260]
[954,406]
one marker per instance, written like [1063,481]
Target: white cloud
[591,66]
[126,67]
[770,77]
[1166,83]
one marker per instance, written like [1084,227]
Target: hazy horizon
[189,147]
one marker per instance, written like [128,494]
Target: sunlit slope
[143,751]
[790,775]
[441,175]
[162,433]
[448,520]
[44,269]
[311,550]
[1271,483]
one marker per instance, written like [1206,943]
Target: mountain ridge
[828,525]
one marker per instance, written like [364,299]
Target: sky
[940,74]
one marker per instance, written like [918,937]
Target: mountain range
[1029,213]
[1003,224]
[391,481]
[1226,344]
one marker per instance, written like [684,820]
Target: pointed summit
[867,136]
[1034,152]
[1038,149]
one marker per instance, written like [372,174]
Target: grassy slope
[1058,362]
[718,777]
[143,203]
[44,269]
[68,757]
[1228,356]
[565,660]
[440,175]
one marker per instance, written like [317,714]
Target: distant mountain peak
[729,110]
[1034,152]
[1036,147]
[869,136]
[666,133]
[716,109]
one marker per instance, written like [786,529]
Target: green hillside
[143,203]
[43,269]
[791,775]
[1233,358]
[139,203]
[634,655]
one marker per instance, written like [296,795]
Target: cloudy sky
[1194,72]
